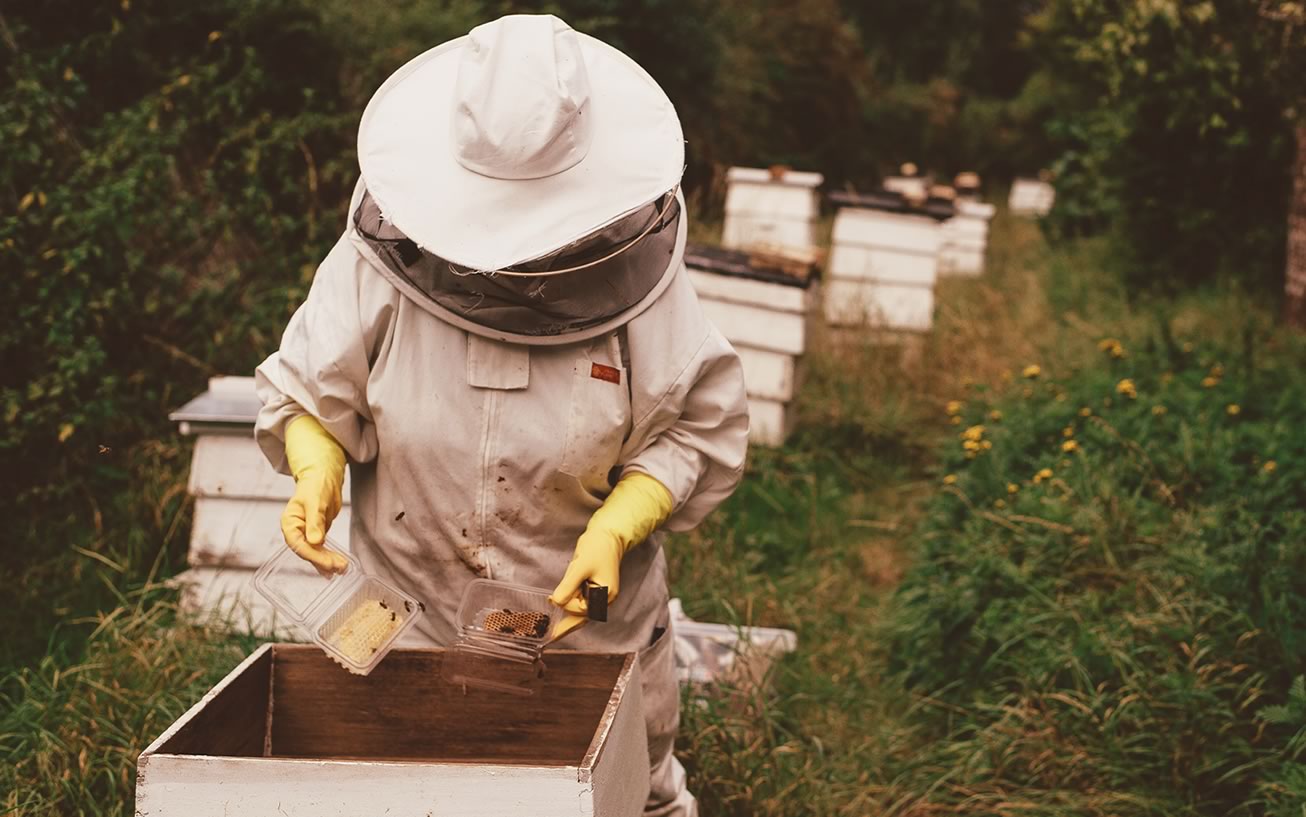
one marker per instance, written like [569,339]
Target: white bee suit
[474,457]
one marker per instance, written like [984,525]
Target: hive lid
[741,264]
[228,401]
[894,203]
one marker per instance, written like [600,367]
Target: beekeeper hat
[516,140]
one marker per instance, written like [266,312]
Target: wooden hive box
[765,209]
[884,261]
[765,316]
[238,503]
[965,239]
[1031,197]
[288,733]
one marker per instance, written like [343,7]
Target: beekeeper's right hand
[318,463]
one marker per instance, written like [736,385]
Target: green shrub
[1112,585]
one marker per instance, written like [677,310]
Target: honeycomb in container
[366,630]
[522,624]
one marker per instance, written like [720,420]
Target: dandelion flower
[954,408]
[950,479]
[1127,388]
[973,433]
[1070,446]
[956,421]
[1032,371]
[1233,409]
[1210,382]
[970,445]
[1269,466]
[1044,473]
[1000,504]
[1112,347]
[1086,412]
[986,444]
[1159,410]
[1012,488]
[995,416]
[1068,431]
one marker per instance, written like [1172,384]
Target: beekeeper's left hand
[634,509]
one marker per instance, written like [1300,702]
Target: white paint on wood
[770,421]
[879,306]
[766,211]
[911,187]
[225,597]
[758,327]
[616,780]
[235,467]
[768,374]
[897,232]
[849,262]
[751,292]
[1030,197]
[202,786]
[234,532]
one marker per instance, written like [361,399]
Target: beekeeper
[506,349]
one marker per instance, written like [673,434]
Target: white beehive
[1031,197]
[289,733]
[916,188]
[238,503]
[765,316]
[766,209]
[965,239]
[883,263]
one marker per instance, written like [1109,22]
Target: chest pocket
[600,417]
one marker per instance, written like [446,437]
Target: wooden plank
[223,465]
[855,263]
[226,598]
[882,230]
[732,289]
[405,710]
[235,532]
[767,374]
[199,786]
[758,327]
[875,305]
[616,781]
[770,421]
[231,720]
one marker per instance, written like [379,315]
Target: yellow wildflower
[214,36]
[1032,371]
[1012,488]
[1068,431]
[970,445]
[1062,397]
[1269,466]
[1210,382]
[1086,412]
[986,444]
[1159,410]
[1127,388]
[1070,446]
[953,408]
[956,421]
[1233,409]
[995,416]
[1044,473]
[950,479]
[1000,504]
[1217,370]
[1112,347]
[973,433]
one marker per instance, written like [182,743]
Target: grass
[1119,638]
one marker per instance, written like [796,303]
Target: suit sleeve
[324,361]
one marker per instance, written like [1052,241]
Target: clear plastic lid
[506,609]
[354,617]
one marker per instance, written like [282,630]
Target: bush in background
[1110,590]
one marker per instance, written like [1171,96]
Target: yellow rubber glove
[318,463]
[634,509]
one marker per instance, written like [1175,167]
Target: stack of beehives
[238,504]
[1031,197]
[760,290]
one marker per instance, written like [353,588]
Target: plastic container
[354,617]
[502,631]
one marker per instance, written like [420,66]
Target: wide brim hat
[616,144]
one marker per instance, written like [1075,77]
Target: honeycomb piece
[522,624]
[365,631]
